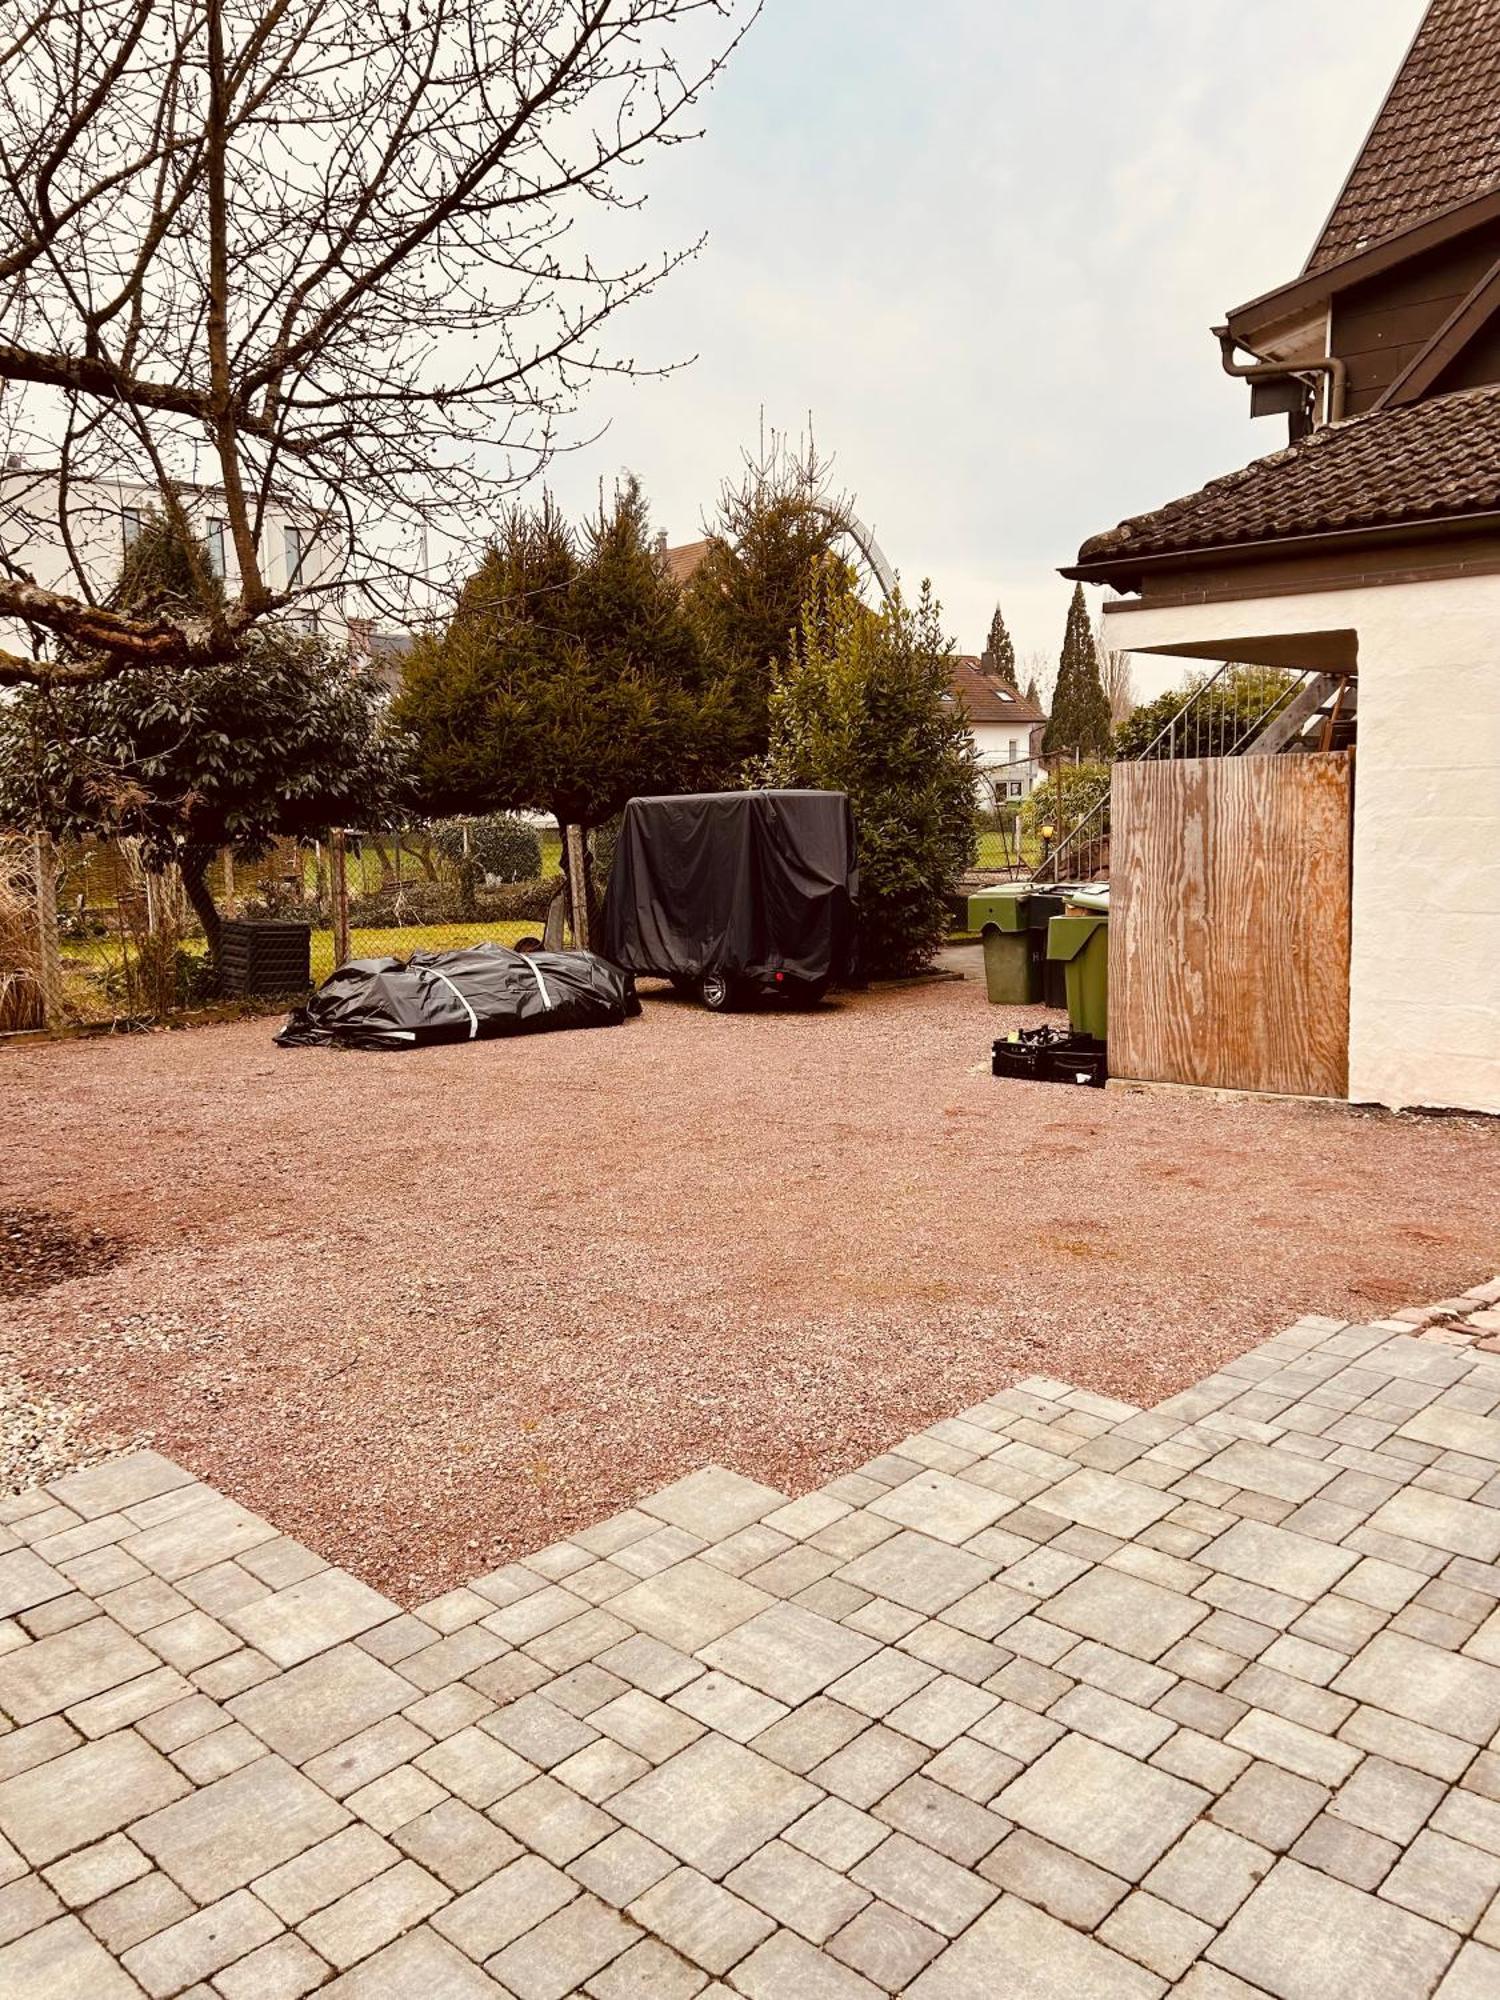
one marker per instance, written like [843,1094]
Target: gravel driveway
[432,1310]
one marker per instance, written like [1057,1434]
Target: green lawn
[97,989]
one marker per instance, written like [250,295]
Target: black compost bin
[260,960]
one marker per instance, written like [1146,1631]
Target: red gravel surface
[430,1310]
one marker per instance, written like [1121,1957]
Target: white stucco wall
[1425,972]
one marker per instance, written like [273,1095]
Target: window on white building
[131,522]
[1013,750]
[294,554]
[1014,788]
[217,531]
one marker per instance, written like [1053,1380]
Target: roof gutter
[1266,371]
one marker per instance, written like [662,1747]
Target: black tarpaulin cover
[743,883]
[459,996]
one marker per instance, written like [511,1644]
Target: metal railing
[1205,725]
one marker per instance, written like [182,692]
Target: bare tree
[1038,670]
[1115,677]
[341,254]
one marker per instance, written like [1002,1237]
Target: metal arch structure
[851,525]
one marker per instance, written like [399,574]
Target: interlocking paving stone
[788,1652]
[309,1616]
[53,1808]
[137,1912]
[917,1571]
[323,1702]
[714,1803]
[62,1962]
[69,1666]
[1456,1696]
[887,1946]
[25,1580]
[1441,1522]
[242,1826]
[1126,1612]
[1444,1879]
[648,1971]
[1102,1805]
[1043,1960]
[564,1950]
[797,1891]
[1305,1936]
[419,1966]
[714,1503]
[690,1604]
[937,1504]
[503,1908]
[284,1969]
[1276,1559]
[370,1916]
[785,1964]
[704,1921]
[200,1945]
[935,1891]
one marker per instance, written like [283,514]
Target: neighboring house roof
[988,698]
[1427,461]
[1436,138]
[684,559]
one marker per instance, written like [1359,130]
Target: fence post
[340,890]
[49,951]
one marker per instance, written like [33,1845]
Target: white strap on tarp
[536,973]
[433,972]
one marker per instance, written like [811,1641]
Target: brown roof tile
[1428,460]
[988,698]
[684,559]
[1436,138]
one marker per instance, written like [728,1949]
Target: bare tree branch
[345,256]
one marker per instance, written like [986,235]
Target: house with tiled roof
[1369,549]
[1005,727]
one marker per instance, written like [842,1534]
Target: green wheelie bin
[999,915]
[1079,941]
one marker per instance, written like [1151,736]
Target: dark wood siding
[1380,326]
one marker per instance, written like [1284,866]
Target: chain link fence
[92,937]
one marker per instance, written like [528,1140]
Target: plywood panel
[1229,923]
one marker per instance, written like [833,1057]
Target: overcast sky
[982,242]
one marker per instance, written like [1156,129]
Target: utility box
[260,961]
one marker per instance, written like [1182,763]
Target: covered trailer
[734,895]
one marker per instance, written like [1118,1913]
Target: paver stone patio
[1059,1699]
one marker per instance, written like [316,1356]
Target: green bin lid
[1067,936]
[1003,907]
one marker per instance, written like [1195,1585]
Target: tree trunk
[576,849]
[194,865]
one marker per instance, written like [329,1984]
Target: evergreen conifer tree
[1079,724]
[1000,650]
[569,677]
[1033,693]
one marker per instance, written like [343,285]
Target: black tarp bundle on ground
[749,884]
[478,992]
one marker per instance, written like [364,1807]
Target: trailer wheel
[717,991]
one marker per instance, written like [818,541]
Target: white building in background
[105,516]
[1006,728]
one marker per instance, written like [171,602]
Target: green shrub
[499,845]
[861,708]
